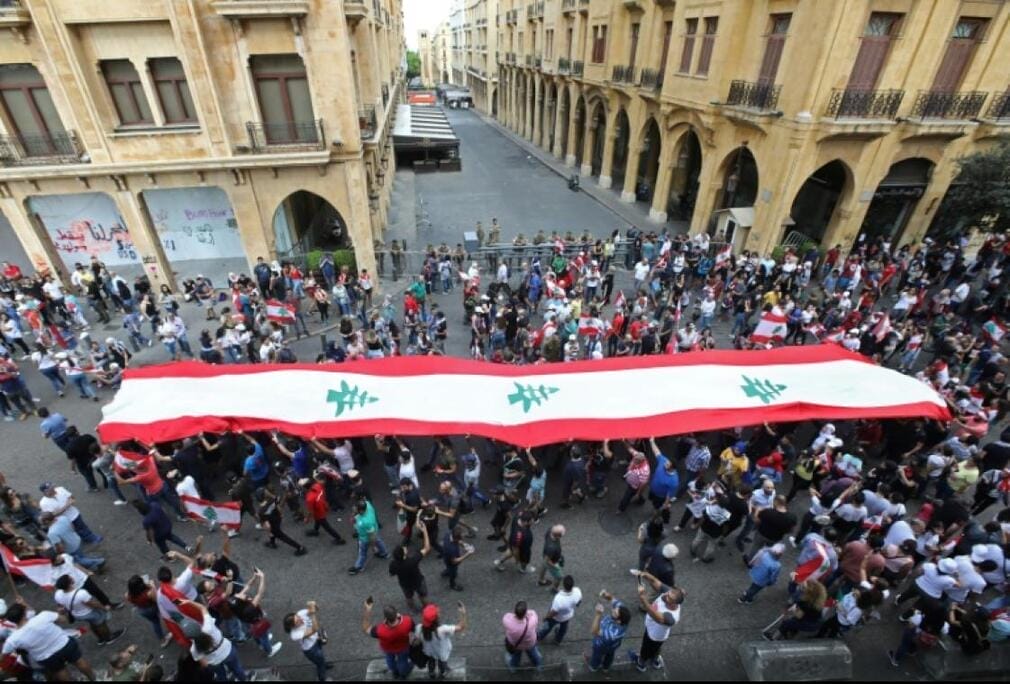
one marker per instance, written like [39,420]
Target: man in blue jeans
[61,534]
[393,634]
[609,628]
[521,637]
[304,628]
[562,611]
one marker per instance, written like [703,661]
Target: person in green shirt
[366,527]
[419,291]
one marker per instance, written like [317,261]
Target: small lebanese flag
[882,329]
[129,461]
[174,609]
[816,329]
[771,327]
[834,337]
[590,326]
[994,330]
[620,300]
[724,254]
[815,568]
[227,515]
[279,312]
[38,570]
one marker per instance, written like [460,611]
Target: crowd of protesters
[851,518]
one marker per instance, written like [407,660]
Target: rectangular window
[30,112]
[687,56]
[599,44]
[667,35]
[635,28]
[173,91]
[774,45]
[707,45]
[285,103]
[568,44]
[127,92]
[960,49]
[549,50]
[873,49]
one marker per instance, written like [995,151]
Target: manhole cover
[614,524]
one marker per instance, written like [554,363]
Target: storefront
[198,232]
[85,225]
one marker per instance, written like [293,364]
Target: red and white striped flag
[279,312]
[38,570]
[175,609]
[995,330]
[771,327]
[590,326]
[227,515]
[816,567]
[129,461]
[882,328]
[620,300]
[723,255]
[834,337]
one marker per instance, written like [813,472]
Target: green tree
[980,193]
[413,64]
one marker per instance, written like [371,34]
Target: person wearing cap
[764,571]
[436,638]
[734,464]
[930,586]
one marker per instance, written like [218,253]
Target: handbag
[512,648]
[417,655]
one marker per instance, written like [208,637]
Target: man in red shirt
[11,271]
[393,634]
[155,489]
[315,502]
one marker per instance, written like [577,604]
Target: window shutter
[707,45]
[770,63]
[873,49]
[687,55]
[958,55]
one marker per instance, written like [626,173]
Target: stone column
[34,239]
[573,135]
[587,148]
[708,187]
[538,111]
[606,180]
[631,172]
[145,238]
[559,119]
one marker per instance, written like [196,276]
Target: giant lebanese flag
[523,405]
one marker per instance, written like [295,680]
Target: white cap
[947,566]
[670,551]
[110,340]
[979,552]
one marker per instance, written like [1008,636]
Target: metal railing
[368,123]
[577,68]
[939,105]
[39,150]
[529,60]
[652,79]
[999,108]
[763,96]
[538,61]
[268,136]
[583,4]
[622,74]
[564,65]
[355,7]
[568,5]
[846,103]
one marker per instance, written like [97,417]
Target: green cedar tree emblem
[530,395]
[210,514]
[765,390]
[348,398]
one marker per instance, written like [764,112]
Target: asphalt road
[498,180]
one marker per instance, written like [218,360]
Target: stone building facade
[193,136]
[765,121]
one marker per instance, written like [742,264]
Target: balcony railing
[577,68]
[564,65]
[940,105]
[39,150]
[583,5]
[568,5]
[268,136]
[652,79]
[529,60]
[763,96]
[999,108]
[864,104]
[622,74]
[538,61]
[368,123]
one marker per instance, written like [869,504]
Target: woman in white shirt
[49,366]
[436,638]
[212,650]
[13,335]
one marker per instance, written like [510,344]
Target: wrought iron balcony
[271,136]
[763,96]
[652,79]
[848,103]
[564,65]
[622,74]
[939,105]
[40,150]
[568,5]
[538,61]
[999,108]
[529,60]
[577,68]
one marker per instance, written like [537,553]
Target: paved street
[498,180]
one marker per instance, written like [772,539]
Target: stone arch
[815,207]
[688,156]
[896,198]
[581,123]
[597,127]
[305,221]
[650,140]
[740,179]
[622,145]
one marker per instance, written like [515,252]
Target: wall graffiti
[195,223]
[85,225]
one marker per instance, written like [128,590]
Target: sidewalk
[631,213]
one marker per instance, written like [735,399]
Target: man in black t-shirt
[406,567]
[773,525]
[82,450]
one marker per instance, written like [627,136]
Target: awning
[417,122]
[742,216]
